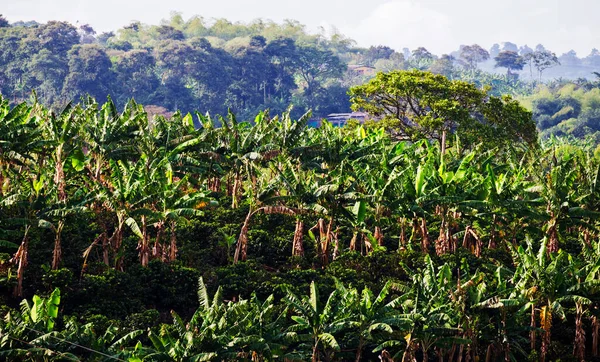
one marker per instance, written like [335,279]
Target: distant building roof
[356,66]
[340,119]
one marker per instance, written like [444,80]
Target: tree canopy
[421,104]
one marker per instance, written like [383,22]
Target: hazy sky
[439,25]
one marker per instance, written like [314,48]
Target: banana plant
[29,333]
[544,280]
[314,321]
[373,318]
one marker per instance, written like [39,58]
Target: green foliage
[422,104]
[566,110]
[349,244]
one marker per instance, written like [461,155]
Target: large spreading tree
[416,104]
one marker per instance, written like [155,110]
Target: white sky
[439,25]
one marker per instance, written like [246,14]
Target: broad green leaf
[78,160]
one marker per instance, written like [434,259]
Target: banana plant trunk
[59,175]
[315,351]
[552,236]
[546,324]
[20,260]
[595,334]
[504,332]
[361,342]
[532,325]
[104,236]
[424,236]
[353,241]
[144,244]
[242,243]
[378,235]
[324,239]
[443,143]
[488,354]
[336,241]
[117,242]
[173,241]
[402,238]
[579,346]
[105,249]
[57,253]
[235,191]
[298,247]
[157,250]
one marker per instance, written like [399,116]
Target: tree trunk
[57,253]
[353,241]
[378,235]
[20,260]
[297,245]
[488,354]
[157,250]
[173,242]
[579,345]
[492,243]
[424,236]
[242,243]
[443,146]
[552,246]
[235,192]
[532,325]
[595,334]
[336,241]
[359,349]
[315,352]
[59,175]
[117,241]
[143,246]
[324,236]
[402,239]
[546,324]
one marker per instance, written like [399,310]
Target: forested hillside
[214,65]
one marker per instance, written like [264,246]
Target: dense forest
[445,231]
[214,65]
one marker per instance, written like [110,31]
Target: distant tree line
[216,65]
[169,69]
